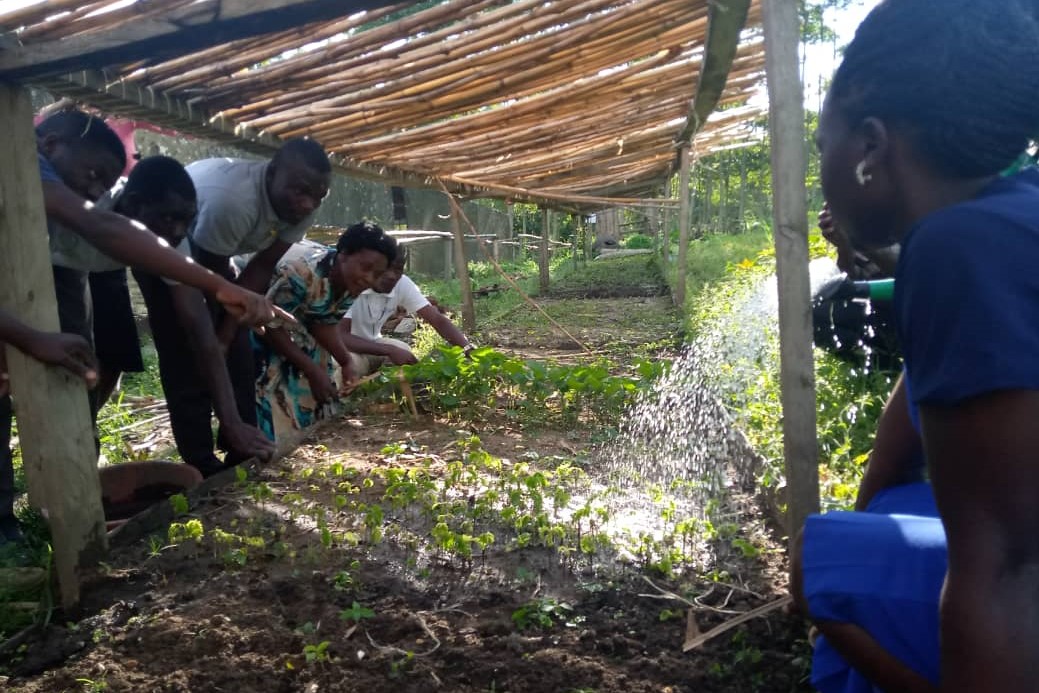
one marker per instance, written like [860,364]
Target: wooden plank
[462,272]
[683,228]
[797,376]
[178,32]
[546,226]
[61,468]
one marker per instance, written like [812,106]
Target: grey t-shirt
[235,216]
[69,249]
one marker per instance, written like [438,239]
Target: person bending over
[298,363]
[258,208]
[361,329]
[159,194]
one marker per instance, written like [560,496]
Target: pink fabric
[126,128]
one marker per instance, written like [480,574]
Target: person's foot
[10,532]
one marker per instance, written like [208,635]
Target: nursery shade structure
[573,101]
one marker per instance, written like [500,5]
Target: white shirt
[371,310]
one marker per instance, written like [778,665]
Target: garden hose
[840,287]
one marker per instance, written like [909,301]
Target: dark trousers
[188,397]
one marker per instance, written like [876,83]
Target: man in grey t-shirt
[259,207]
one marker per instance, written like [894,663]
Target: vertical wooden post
[449,257]
[54,426]
[462,272]
[683,228]
[575,238]
[586,238]
[510,233]
[665,246]
[546,225]
[797,375]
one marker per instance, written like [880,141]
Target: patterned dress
[283,397]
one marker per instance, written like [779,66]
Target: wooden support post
[683,228]
[546,224]
[665,245]
[54,426]
[586,238]
[574,239]
[462,272]
[449,258]
[510,232]
[797,376]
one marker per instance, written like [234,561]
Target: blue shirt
[967,295]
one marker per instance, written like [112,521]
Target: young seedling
[356,613]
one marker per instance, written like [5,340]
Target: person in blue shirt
[932,101]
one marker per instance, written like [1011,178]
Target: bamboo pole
[462,272]
[683,229]
[797,375]
[546,226]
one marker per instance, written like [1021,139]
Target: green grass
[492,307]
[710,258]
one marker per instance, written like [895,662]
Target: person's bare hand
[69,351]
[349,378]
[400,357]
[249,440]
[321,386]
[250,308]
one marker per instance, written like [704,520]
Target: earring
[860,174]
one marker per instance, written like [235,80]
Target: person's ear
[876,148]
[48,143]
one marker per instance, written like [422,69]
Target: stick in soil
[457,209]
[697,641]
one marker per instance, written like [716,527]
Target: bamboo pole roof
[576,101]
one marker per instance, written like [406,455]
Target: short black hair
[961,76]
[307,150]
[367,236]
[74,126]
[155,177]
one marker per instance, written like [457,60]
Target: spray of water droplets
[680,430]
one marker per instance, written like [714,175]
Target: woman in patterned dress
[296,363]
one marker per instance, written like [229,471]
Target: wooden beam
[54,424]
[462,270]
[724,24]
[179,32]
[683,229]
[790,227]
[546,227]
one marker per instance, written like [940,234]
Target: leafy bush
[638,241]
[533,391]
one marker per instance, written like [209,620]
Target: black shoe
[10,532]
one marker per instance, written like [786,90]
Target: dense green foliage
[524,390]
[848,400]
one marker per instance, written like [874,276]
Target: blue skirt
[882,570]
